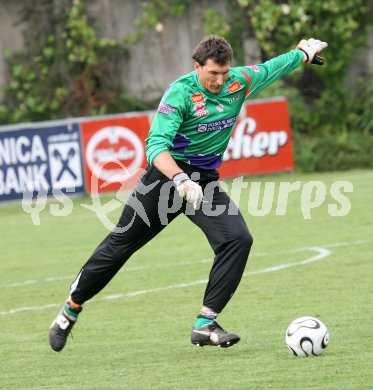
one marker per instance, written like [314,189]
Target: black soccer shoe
[61,328]
[213,334]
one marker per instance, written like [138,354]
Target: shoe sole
[224,344]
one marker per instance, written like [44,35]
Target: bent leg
[138,224]
[231,242]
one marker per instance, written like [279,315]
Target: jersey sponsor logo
[217,126]
[162,111]
[199,107]
[200,110]
[254,68]
[235,98]
[198,98]
[200,113]
[234,87]
[164,108]
[220,107]
[168,107]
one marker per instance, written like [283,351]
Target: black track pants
[152,206]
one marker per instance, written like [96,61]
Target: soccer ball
[307,336]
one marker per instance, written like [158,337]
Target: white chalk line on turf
[321,253]
[124,269]
[167,265]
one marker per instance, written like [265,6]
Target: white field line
[167,265]
[321,253]
[124,269]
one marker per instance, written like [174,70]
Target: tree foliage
[65,69]
[279,25]
[153,13]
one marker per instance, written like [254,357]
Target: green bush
[360,110]
[333,152]
[336,133]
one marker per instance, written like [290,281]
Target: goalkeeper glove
[310,47]
[188,189]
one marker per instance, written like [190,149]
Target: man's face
[211,75]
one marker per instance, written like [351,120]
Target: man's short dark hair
[215,48]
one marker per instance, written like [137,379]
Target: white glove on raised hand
[310,47]
[188,189]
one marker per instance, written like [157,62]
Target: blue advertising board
[40,158]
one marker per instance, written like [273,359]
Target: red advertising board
[114,151]
[40,159]
[114,147]
[261,141]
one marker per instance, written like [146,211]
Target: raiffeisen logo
[110,145]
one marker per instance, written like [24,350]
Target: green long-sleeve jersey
[195,125]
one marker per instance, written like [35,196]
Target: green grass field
[135,333]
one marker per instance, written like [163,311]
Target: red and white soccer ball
[307,336]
